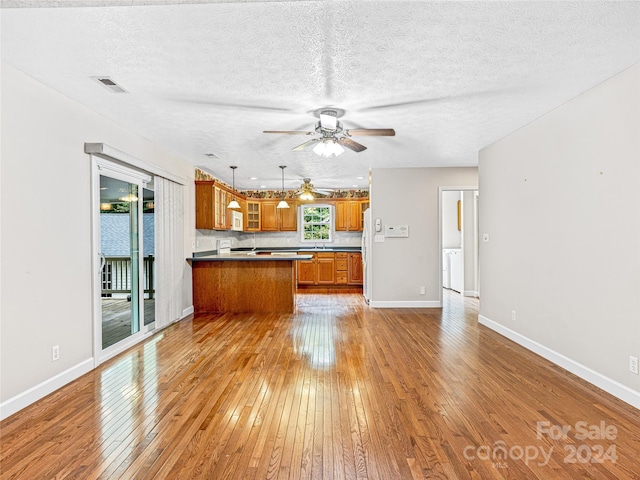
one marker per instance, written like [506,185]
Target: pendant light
[283,203]
[234,203]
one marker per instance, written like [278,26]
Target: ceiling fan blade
[351,145]
[221,104]
[306,144]
[442,99]
[379,132]
[289,132]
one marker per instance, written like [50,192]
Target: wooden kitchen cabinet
[319,270]
[307,271]
[268,216]
[252,223]
[355,276]
[211,206]
[275,219]
[221,213]
[288,218]
[342,262]
[205,205]
[326,268]
[349,215]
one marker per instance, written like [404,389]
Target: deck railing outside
[116,276]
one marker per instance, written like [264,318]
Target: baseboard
[470,293]
[405,304]
[26,398]
[618,390]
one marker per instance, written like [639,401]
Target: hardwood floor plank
[334,390]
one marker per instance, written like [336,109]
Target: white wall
[451,237]
[400,266]
[559,198]
[46,229]
[469,243]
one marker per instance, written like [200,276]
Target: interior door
[122,286]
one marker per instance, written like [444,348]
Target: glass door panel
[120,252]
[148,228]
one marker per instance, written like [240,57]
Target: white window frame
[331,222]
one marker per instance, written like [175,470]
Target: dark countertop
[278,253]
[249,256]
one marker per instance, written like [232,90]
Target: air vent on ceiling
[109,84]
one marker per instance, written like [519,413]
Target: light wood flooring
[335,390]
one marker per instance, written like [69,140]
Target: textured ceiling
[208,77]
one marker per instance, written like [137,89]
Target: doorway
[123,235]
[458,240]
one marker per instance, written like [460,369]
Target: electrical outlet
[55,353]
[633,364]
[423,290]
[513,315]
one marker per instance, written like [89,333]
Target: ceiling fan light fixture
[307,195]
[328,148]
[233,204]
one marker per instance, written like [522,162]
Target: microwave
[236,221]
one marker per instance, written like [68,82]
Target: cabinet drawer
[341,255]
[324,254]
[341,277]
[341,264]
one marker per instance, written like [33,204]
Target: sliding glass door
[125,292]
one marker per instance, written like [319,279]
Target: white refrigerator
[367,238]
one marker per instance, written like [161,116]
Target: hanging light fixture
[283,203]
[234,203]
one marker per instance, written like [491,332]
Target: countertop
[261,254]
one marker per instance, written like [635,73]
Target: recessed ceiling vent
[109,84]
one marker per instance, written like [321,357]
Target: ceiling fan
[306,190]
[333,137]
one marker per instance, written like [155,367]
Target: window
[317,223]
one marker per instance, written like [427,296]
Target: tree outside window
[316,223]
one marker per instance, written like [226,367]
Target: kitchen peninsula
[245,281]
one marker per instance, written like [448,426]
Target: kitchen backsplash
[206,239]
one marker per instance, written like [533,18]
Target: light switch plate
[485,237]
[378,239]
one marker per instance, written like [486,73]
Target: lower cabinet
[342,267]
[329,268]
[355,276]
[319,270]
